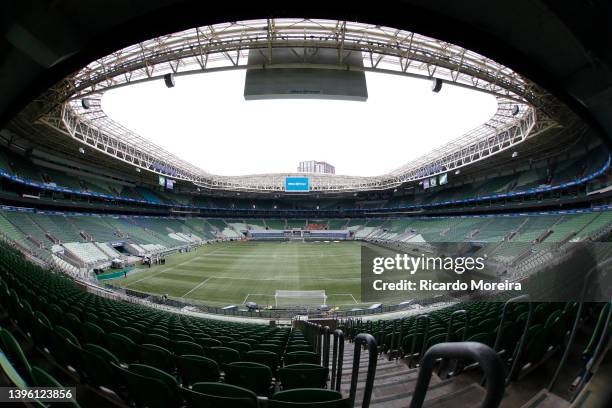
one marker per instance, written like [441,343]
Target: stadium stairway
[395,382]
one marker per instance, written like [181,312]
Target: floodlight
[436,85]
[169,80]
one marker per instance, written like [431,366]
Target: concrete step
[379,369]
[397,397]
[545,399]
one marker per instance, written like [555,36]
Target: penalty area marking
[344,294]
[255,294]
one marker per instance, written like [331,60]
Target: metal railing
[337,360]
[520,345]
[369,342]
[483,354]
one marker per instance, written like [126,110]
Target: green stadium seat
[187,347]
[252,376]
[156,339]
[303,376]
[308,397]
[156,356]
[267,358]
[219,395]
[133,333]
[15,354]
[41,378]
[239,346]
[223,355]
[302,357]
[66,348]
[298,347]
[121,346]
[71,322]
[151,387]
[99,366]
[42,331]
[91,333]
[196,368]
[269,347]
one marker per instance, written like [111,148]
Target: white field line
[171,268]
[277,278]
[344,294]
[197,286]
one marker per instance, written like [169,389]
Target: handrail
[466,318]
[521,298]
[337,360]
[570,341]
[369,341]
[326,334]
[591,362]
[401,338]
[415,335]
[483,354]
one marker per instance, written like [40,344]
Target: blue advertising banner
[296,184]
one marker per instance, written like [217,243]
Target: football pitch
[237,272]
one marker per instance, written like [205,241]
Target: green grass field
[237,272]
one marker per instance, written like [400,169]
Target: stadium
[444,241]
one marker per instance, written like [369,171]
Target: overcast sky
[205,120]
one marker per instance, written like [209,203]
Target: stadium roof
[524,109]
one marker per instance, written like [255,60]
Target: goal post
[300,298]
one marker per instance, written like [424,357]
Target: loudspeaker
[169,80]
[436,85]
[85,103]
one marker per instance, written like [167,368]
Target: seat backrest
[264,357]
[303,376]
[252,376]
[196,368]
[156,356]
[148,389]
[15,354]
[98,368]
[308,397]
[201,400]
[223,355]
[121,346]
[187,347]
[41,378]
[223,390]
[299,357]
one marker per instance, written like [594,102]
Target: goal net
[299,298]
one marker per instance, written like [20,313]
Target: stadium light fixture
[457,172]
[81,150]
[515,110]
[436,85]
[514,155]
[85,103]
[169,80]
[137,169]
